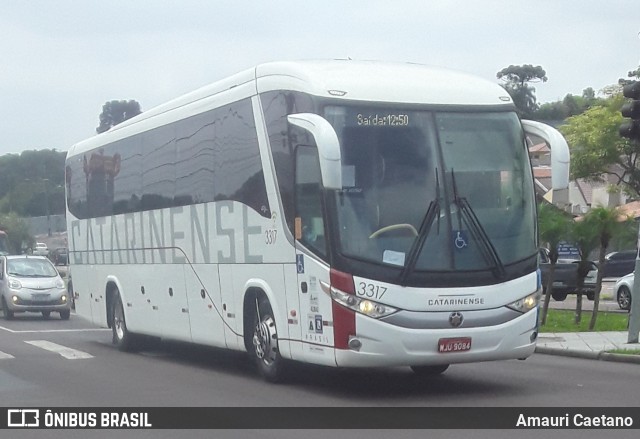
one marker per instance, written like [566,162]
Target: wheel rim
[624,298]
[118,321]
[265,340]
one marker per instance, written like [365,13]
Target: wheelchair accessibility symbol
[460,239]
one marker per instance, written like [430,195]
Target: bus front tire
[122,338]
[265,343]
[427,371]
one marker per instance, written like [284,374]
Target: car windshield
[28,267]
[470,169]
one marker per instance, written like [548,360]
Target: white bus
[340,213]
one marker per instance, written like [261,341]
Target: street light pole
[634,311]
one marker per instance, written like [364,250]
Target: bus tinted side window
[208,157]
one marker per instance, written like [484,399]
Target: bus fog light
[355,344]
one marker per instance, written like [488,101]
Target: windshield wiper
[433,212]
[477,230]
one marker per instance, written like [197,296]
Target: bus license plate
[458,344]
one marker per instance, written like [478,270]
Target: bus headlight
[363,306]
[526,304]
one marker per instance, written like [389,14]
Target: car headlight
[527,303]
[59,283]
[14,284]
[361,305]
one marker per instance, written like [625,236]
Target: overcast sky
[61,60]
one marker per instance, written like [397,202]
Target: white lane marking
[66,352]
[3,355]
[28,331]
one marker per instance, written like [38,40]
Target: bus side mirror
[327,144]
[559,151]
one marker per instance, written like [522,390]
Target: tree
[18,233]
[597,149]
[569,106]
[516,83]
[585,236]
[605,223]
[29,180]
[115,112]
[553,226]
[633,74]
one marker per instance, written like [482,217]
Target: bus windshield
[433,191]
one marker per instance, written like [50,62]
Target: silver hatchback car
[32,284]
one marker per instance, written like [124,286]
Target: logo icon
[23,418]
[456,319]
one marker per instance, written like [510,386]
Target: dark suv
[619,263]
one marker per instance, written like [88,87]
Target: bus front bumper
[382,344]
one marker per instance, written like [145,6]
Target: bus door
[315,305]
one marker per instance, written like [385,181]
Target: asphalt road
[94,373]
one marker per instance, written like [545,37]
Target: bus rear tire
[427,371]
[265,343]
[122,338]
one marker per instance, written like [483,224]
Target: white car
[32,284]
[41,249]
[623,289]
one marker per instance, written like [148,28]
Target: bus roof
[373,81]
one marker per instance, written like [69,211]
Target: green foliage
[516,83]
[115,112]
[570,106]
[596,230]
[596,145]
[29,180]
[553,227]
[19,235]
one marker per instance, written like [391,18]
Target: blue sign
[567,250]
[300,263]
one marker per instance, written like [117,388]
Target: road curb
[589,355]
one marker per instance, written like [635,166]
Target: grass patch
[563,321]
[625,351]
